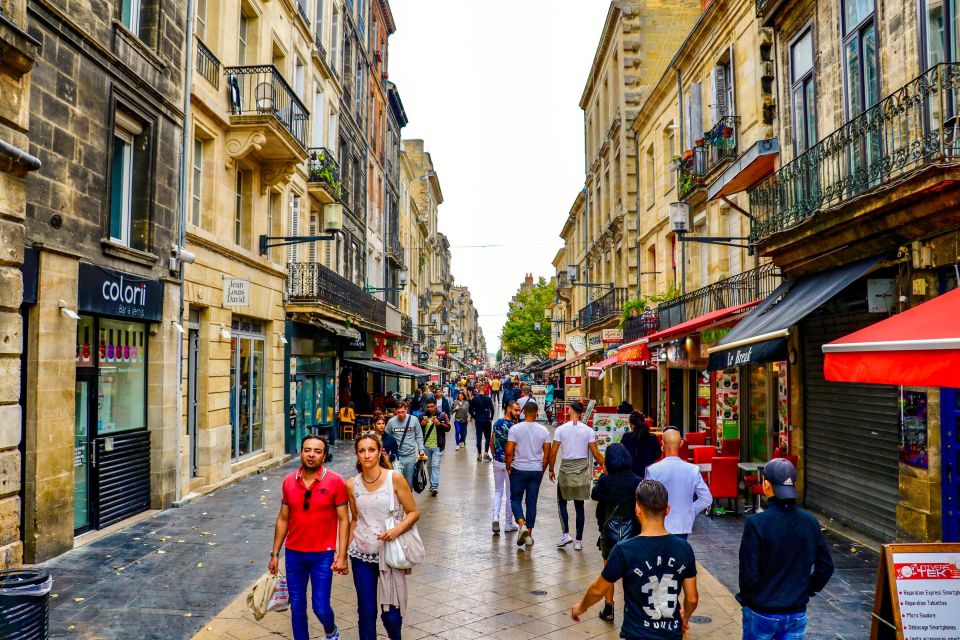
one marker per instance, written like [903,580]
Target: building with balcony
[864,198]
[18,52]
[101,294]
[467,347]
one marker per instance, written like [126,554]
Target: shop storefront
[111,441]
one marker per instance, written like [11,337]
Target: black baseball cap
[781,473]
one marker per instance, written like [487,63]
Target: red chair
[794,460]
[723,480]
[701,456]
[684,452]
[696,437]
[730,448]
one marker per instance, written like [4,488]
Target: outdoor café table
[750,467]
[700,446]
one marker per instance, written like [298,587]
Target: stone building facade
[18,53]
[102,221]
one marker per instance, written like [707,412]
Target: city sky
[494,89]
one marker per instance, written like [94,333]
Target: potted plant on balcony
[687,155]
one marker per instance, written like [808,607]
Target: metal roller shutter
[851,434]
[124,477]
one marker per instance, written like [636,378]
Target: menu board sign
[608,429]
[728,404]
[918,592]
[539,394]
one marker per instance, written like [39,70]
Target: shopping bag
[406,550]
[420,476]
[281,596]
[269,593]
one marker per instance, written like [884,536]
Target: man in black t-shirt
[654,566]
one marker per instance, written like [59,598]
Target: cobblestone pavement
[184,573]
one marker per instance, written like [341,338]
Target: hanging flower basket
[727,132]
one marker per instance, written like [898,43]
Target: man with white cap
[784,560]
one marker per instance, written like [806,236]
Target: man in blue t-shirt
[654,566]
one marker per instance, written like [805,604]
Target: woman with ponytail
[644,447]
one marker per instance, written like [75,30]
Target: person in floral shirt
[501,481]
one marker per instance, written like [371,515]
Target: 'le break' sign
[918,592]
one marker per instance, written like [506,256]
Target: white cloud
[494,88]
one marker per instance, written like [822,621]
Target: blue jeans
[315,567]
[525,488]
[434,456]
[682,536]
[461,431]
[365,578]
[773,626]
[406,465]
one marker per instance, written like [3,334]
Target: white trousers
[501,491]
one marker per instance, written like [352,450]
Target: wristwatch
[274,554]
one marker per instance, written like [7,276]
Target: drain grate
[700,620]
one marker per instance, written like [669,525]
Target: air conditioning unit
[333,217]
[679,217]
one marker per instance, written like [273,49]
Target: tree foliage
[520,336]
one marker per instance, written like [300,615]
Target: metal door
[193,353]
[950,460]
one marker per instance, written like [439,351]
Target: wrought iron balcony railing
[406,326]
[395,250]
[323,167]
[640,326]
[303,12]
[261,90]
[207,65]
[717,146]
[749,286]
[608,305]
[915,127]
[318,43]
[311,281]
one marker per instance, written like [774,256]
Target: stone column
[18,52]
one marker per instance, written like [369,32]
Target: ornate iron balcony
[406,326]
[716,147]
[915,127]
[607,306]
[395,250]
[303,12]
[313,282]
[323,167]
[261,90]
[318,43]
[640,326]
[207,65]
[749,286]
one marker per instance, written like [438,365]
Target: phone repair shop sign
[236,292]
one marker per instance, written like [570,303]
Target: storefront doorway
[246,387]
[315,404]
[85,415]
[950,473]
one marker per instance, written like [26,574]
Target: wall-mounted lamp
[224,331]
[66,311]
[177,326]
[280,338]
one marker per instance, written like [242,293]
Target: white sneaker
[529,540]
[565,539]
[578,545]
[522,538]
[511,527]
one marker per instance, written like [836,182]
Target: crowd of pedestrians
[647,498]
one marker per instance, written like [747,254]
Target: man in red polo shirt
[313,521]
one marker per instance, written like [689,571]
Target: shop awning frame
[761,335]
[417,371]
[602,366]
[385,367]
[695,324]
[572,361]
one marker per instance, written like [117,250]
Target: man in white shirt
[688,493]
[526,458]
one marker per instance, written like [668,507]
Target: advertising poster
[703,401]
[913,428]
[539,394]
[728,404]
[928,592]
[608,429]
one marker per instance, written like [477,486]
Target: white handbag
[406,550]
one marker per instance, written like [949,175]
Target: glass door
[83,418]
[758,423]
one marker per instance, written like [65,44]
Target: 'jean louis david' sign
[114,293]
[236,292]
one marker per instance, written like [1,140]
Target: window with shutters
[694,112]
[274,218]
[293,228]
[670,150]
[316,115]
[722,91]
[243,209]
[312,246]
[734,262]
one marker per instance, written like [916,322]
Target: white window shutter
[294,226]
[731,92]
[733,230]
[714,111]
[696,112]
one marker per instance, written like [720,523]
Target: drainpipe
[636,175]
[182,234]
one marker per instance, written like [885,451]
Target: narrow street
[184,573]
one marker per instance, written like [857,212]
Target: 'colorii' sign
[114,293]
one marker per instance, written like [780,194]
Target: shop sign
[595,341]
[767,351]
[114,293]
[441,353]
[634,353]
[423,356]
[359,344]
[614,351]
[573,380]
[611,336]
[577,342]
[560,348]
[553,354]
[236,292]
[594,373]
[572,391]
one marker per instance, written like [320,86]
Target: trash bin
[25,604]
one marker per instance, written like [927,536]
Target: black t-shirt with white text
[653,569]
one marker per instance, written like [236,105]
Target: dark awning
[386,368]
[755,164]
[761,335]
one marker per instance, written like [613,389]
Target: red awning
[596,370]
[636,351]
[919,348]
[405,365]
[691,326]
